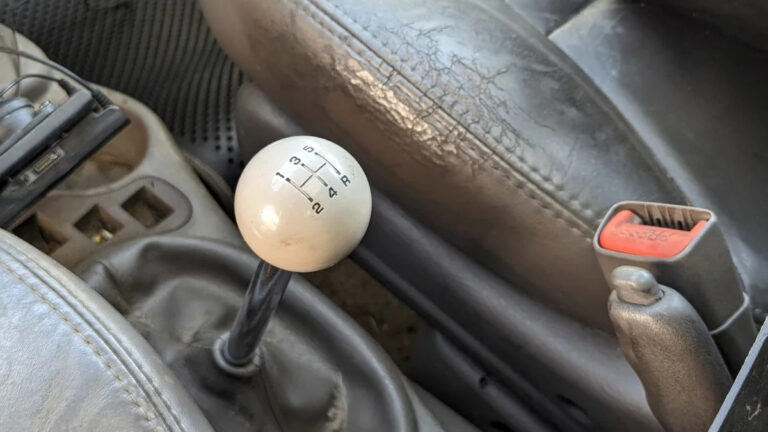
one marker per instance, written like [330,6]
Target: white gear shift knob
[302,204]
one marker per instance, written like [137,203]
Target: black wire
[100,97]
[21,78]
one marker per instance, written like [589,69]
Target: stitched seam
[138,365]
[584,230]
[125,386]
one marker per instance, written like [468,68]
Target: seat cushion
[70,362]
[468,117]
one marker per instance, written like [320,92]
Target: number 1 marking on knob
[298,188]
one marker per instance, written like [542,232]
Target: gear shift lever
[302,204]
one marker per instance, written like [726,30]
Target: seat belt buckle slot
[654,232]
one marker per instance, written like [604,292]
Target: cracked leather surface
[468,117]
[71,363]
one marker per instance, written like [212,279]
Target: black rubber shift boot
[319,371]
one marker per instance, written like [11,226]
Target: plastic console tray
[73,133]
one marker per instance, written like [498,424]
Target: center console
[139,226]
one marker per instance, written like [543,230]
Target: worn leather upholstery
[70,362]
[468,117]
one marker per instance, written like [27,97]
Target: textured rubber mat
[161,52]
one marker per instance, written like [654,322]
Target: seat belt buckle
[684,248]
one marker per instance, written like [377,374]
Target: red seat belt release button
[626,233]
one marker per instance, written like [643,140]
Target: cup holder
[118,158]
[41,233]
